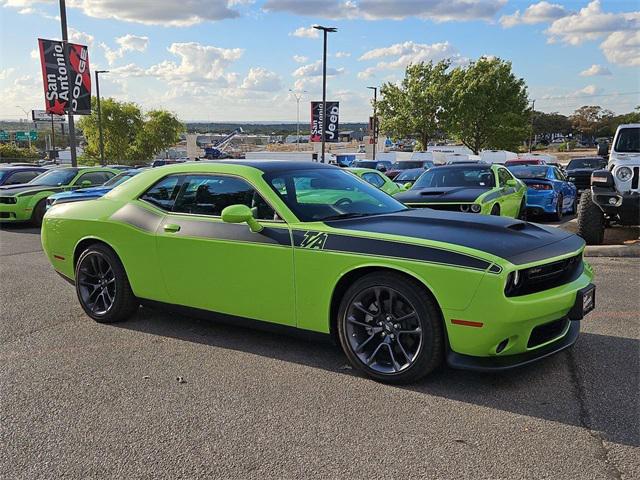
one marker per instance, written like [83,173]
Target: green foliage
[10,151]
[567,146]
[130,136]
[592,121]
[417,106]
[488,106]
[546,124]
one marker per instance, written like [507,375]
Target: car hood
[513,240]
[580,171]
[92,191]
[11,190]
[441,194]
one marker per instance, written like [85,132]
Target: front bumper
[626,206]
[496,364]
[14,212]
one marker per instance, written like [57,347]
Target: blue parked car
[14,175]
[548,190]
[93,192]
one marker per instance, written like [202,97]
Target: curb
[620,251]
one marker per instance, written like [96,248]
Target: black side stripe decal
[228,231]
[138,217]
[386,248]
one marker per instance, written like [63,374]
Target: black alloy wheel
[102,285]
[390,329]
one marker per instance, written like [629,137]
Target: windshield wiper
[341,216]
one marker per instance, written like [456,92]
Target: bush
[10,152]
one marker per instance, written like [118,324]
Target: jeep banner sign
[331,130]
[67,85]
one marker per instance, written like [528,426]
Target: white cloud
[407,53]
[6,73]
[588,90]
[305,32]
[262,80]
[315,69]
[76,36]
[622,48]
[342,54]
[127,43]
[35,54]
[591,23]
[300,59]
[540,12]
[595,70]
[437,10]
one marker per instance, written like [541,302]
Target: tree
[418,105]
[592,121]
[547,124]
[488,106]
[130,136]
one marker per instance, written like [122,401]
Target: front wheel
[495,210]
[522,213]
[102,286]
[38,213]
[591,221]
[390,329]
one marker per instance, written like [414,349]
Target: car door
[509,202]
[95,178]
[567,189]
[223,267]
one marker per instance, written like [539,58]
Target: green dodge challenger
[469,187]
[309,246]
[27,202]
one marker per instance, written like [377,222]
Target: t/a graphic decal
[314,240]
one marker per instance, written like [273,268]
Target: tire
[591,221]
[98,270]
[38,213]
[522,213]
[391,344]
[557,216]
[495,210]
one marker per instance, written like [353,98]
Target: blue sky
[236,59]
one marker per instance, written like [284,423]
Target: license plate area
[585,302]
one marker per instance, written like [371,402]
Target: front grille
[8,200]
[544,277]
[543,333]
[581,181]
[452,207]
[634,181]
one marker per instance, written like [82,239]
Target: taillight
[540,186]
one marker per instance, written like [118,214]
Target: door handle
[171,228]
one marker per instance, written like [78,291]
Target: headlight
[464,208]
[624,174]
[513,282]
[475,208]
[572,179]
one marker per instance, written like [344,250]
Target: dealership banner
[332,123]
[67,84]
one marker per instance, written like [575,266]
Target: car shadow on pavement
[594,385]
[20,228]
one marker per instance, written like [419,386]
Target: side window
[96,178]
[210,194]
[374,179]
[503,176]
[163,193]
[559,175]
[21,177]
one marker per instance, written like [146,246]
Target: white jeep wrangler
[615,195]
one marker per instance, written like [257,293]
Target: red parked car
[524,161]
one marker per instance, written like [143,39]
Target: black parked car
[579,171]
[14,175]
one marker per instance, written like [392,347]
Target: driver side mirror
[85,183]
[512,182]
[241,214]
[407,186]
[381,168]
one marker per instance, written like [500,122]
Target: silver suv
[615,194]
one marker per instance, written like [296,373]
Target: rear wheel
[390,329]
[558,213]
[591,221]
[102,286]
[38,213]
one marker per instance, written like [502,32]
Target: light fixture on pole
[102,160]
[297,96]
[374,126]
[27,115]
[65,43]
[325,30]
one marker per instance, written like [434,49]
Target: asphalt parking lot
[83,400]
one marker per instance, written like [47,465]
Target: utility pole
[298,96]
[102,160]
[533,112]
[375,119]
[65,44]
[53,138]
[26,113]
[325,31]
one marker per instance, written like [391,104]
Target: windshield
[118,179]
[3,173]
[586,163]
[469,177]
[328,194]
[529,171]
[364,164]
[57,177]
[628,140]
[409,175]
[406,165]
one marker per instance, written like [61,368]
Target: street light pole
[325,31]
[26,113]
[297,96]
[375,119]
[533,112]
[65,44]
[102,161]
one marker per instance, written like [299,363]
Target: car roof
[266,166]
[461,165]
[20,167]
[362,170]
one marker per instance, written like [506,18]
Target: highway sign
[43,116]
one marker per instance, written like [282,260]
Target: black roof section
[271,166]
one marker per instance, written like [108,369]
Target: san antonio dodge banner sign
[331,132]
[65,91]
